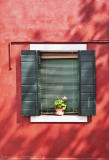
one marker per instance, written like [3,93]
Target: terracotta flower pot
[59,111]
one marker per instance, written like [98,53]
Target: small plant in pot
[60,106]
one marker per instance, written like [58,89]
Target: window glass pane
[59,77]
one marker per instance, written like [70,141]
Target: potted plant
[60,106]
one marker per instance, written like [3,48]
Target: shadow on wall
[93,23]
[65,139]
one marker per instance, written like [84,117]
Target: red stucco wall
[52,21]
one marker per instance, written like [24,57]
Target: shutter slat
[85,104]
[25,73]
[29,81]
[28,52]
[29,58]
[28,105]
[87,80]
[28,96]
[28,65]
[85,96]
[88,112]
[28,112]
[86,65]
[87,58]
[87,87]
[29,88]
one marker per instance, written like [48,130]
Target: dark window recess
[59,77]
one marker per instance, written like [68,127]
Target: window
[59,77]
[39,84]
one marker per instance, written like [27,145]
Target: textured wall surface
[52,21]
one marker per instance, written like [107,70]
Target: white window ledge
[54,118]
[58,47]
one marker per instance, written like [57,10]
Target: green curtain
[59,77]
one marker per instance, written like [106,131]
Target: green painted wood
[87,80]
[28,112]
[29,82]
[86,65]
[87,85]
[85,96]
[26,73]
[38,110]
[88,112]
[28,104]
[29,88]
[88,88]
[29,58]
[87,72]
[85,104]
[87,57]
[28,52]
[28,96]
[28,65]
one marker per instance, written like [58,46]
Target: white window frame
[54,118]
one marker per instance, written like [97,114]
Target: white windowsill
[54,118]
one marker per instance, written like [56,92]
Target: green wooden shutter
[87,88]
[29,82]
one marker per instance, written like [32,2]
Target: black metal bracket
[28,42]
